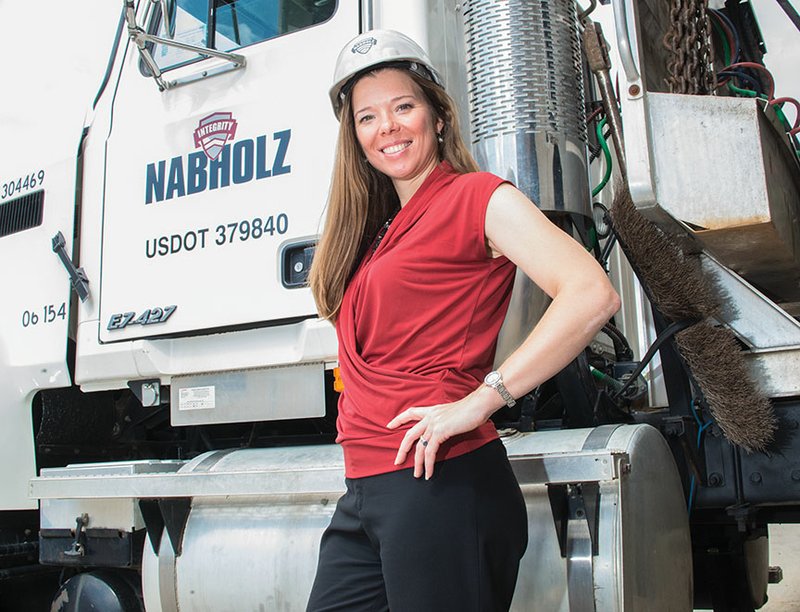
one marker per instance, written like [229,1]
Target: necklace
[382,232]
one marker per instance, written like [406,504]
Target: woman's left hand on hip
[435,425]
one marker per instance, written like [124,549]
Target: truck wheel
[107,590]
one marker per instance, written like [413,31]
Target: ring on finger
[424,441]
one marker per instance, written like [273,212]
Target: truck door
[215,185]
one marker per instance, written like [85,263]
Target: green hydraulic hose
[606,155]
[605,378]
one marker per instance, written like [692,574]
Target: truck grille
[21,213]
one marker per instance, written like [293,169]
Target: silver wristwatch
[495,380]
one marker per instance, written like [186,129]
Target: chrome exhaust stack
[527,121]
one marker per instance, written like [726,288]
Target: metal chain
[690,65]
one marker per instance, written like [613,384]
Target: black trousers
[452,543]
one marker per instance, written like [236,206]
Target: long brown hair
[361,198]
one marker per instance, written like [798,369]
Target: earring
[439,138]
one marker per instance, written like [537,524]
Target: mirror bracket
[140,38]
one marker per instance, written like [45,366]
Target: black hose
[621,346]
[665,335]
[610,242]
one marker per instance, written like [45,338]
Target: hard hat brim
[372,50]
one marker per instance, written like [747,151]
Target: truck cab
[169,392]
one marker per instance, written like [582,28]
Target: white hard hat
[374,48]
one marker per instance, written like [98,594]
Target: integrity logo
[213,132]
[363,46]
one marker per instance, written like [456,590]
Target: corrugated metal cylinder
[526,98]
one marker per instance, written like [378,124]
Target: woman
[415,267]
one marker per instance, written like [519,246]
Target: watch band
[495,380]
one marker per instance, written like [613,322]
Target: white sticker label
[196,398]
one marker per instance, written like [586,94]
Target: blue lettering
[261,158]
[154,185]
[283,144]
[243,161]
[196,172]
[175,186]
[219,170]
[240,162]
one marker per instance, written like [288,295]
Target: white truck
[168,393]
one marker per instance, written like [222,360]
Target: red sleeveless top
[419,320]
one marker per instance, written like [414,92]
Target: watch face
[492,378]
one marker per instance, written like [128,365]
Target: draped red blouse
[419,320]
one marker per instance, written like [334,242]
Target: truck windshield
[230,24]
